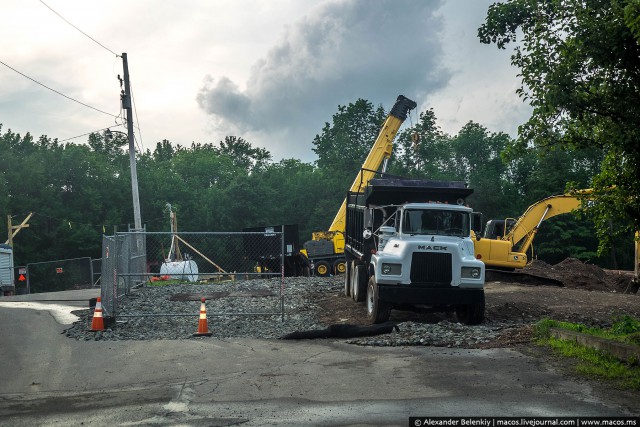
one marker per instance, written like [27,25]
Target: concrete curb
[623,351]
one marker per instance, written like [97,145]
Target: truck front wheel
[377,311]
[470,314]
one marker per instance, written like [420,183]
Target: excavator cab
[495,228]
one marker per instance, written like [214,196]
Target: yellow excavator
[325,250]
[506,241]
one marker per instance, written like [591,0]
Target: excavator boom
[527,225]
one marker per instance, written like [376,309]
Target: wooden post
[15,229]
[9,228]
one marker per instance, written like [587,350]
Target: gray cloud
[224,99]
[340,51]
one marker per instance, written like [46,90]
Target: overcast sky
[272,72]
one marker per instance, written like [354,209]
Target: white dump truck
[408,244]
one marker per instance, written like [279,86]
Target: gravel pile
[252,309]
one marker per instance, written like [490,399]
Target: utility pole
[126,105]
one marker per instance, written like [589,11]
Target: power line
[59,93]
[63,18]
[137,121]
[84,134]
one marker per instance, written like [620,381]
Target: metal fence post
[282,273]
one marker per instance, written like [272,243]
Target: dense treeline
[81,191]
[578,62]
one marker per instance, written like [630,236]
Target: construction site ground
[570,291]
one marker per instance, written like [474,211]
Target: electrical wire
[63,18]
[72,222]
[77,223]
[84,134]
[133,100]
[137,144]
[59,93]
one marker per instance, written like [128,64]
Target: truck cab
[429,245]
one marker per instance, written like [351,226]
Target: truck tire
[347,279]
[470,314]
[358,283]
[322,269]
[377,311]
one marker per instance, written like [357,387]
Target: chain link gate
[60,275]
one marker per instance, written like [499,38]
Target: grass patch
[591,362]
[624,329]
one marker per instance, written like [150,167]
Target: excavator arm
[524,230]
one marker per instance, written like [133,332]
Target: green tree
[477,160]
[580,68]
[243,154]
[424,151]
[344,144]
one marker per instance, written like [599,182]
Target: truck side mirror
[476,224]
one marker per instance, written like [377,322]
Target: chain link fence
[136,259]
[124,265]
[60,275]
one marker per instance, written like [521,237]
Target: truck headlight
[471,272]
[391,269]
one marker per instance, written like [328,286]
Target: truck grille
[431,268]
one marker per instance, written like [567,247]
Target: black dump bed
[383,192]
[395,191]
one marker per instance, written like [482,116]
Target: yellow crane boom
[378,156]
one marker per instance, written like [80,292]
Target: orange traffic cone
[203,330]
[97,324]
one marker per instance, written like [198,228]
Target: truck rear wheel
[470,314]
[377,311]
[347,279]
[358,283]
[322,268]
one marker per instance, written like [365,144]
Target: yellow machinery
[506,242]
[326,248]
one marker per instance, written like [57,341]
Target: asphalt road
[49,379]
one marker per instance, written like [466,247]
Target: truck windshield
[429,221]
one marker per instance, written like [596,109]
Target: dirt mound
[576,274]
